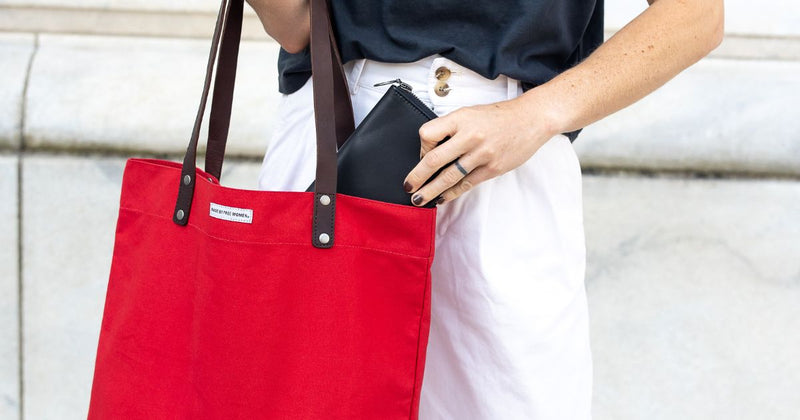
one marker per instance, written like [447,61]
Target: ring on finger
[460,168]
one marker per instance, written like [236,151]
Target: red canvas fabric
[228,320]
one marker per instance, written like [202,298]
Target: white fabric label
[231,214]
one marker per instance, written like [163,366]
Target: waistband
[455,84]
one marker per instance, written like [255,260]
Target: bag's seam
[333,214]
[419,338]
[315,226]
[432,250]
[432,236]
[271,243]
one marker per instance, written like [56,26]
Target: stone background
[692,201]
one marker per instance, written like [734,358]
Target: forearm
[661,42]
[287,21]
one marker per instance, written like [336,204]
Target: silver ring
[460,168]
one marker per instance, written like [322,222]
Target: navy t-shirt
[528,40]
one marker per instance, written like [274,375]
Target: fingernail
[416,199]
[439,200]
[407,186]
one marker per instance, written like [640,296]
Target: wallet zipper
[407,91]
[397,82]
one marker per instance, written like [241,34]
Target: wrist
[542,110]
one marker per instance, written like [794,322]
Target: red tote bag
[236,304]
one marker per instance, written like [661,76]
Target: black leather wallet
[375,160]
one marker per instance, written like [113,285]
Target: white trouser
[509,332]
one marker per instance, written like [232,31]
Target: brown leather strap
[187,180]
[343,112]
[332,108]
[334,119]
[222,100]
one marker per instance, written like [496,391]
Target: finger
[434,131]
[467,183]
[434,160]
[448,178]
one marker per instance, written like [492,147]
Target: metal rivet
[324,200]
[187,179]
[324,238]
[180,214]
[211,179]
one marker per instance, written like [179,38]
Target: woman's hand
[488,141]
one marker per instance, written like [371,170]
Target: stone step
[153,6]
[693,290]
[754,30]
[164,22]
[776,18]
[140,94]
[15,54]
[758,47]
[9,289]
[718,116]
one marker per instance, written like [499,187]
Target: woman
[512,82]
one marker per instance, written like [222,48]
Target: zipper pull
[401,84]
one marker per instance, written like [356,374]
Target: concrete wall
[692,201]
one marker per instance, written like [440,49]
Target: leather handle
[222,99]
[332,108]
[333,117]
[230,17]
